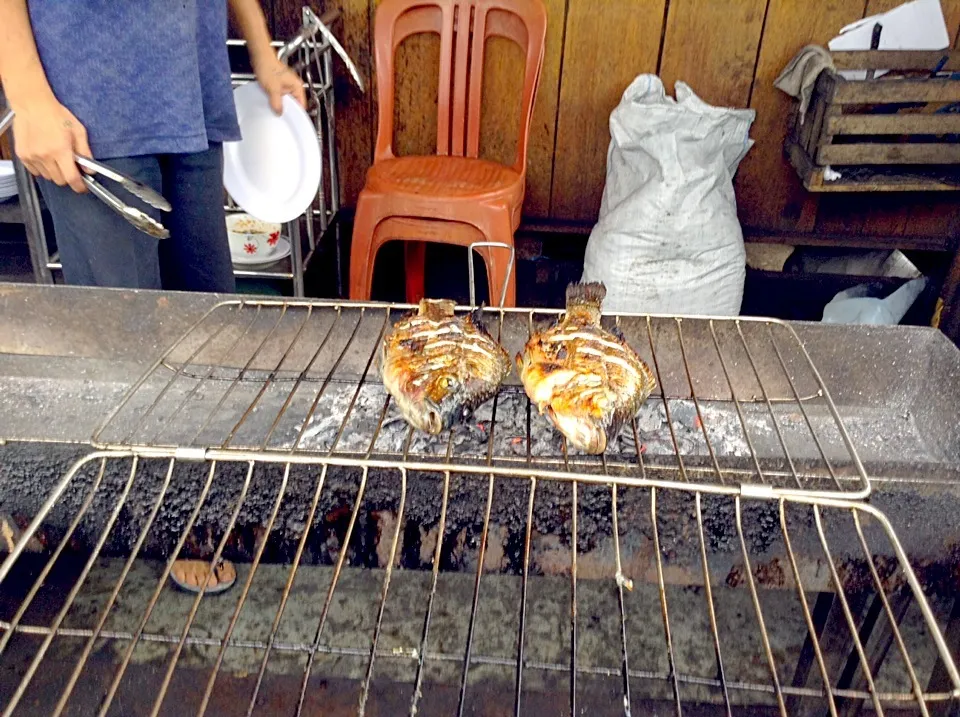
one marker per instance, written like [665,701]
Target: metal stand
[33,224]
[311,54]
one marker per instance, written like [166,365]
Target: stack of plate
[8,180]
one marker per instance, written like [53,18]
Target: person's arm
[46,133]
[273,75]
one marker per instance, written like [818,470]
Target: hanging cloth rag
[801,73]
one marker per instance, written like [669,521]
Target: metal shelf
[282,269]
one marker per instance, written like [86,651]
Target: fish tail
[476,316]
[475,319]
[586,298]
[437,309]
[589,294]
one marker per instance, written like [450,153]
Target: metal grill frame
[857,486]
[782,694]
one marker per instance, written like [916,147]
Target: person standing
[145,87]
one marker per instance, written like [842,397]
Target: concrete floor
[350,625]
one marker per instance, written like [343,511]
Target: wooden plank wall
[729,52]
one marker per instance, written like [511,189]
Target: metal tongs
[139,219]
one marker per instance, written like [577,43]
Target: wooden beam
[543,127]
[854,241]
[873,153]
[894,124]
[288,18]
[502,93]
[894,60]
[861,92]
[355,110]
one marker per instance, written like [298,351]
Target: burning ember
[509,432]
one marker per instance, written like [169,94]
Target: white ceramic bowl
[251,237]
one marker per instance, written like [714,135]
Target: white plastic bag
[856,306]
[668,239]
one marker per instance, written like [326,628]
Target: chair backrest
[464,27]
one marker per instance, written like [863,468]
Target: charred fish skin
[588,381]
[439,367]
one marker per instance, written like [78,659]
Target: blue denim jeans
[99,248]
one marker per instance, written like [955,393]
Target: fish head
[583,433]
[439,405]
[424,415]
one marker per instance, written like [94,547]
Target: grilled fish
[440,367]
[586,380]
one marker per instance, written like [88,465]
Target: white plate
[6,170]
[282,252]
[274,172]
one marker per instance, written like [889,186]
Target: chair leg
[414,255]
[363,254]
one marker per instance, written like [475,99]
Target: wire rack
[398,592]
[311,55]
[739,403]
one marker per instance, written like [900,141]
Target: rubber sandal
[221,586]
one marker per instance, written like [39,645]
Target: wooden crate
[886,134]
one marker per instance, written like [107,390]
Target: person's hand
[277,80]
[46,137]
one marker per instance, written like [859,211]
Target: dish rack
[312,52]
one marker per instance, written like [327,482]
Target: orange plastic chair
[452,197]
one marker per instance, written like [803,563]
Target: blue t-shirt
[144,77]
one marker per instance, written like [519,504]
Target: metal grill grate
[396,592]
[740,402]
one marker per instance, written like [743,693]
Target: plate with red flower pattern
[281,251]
